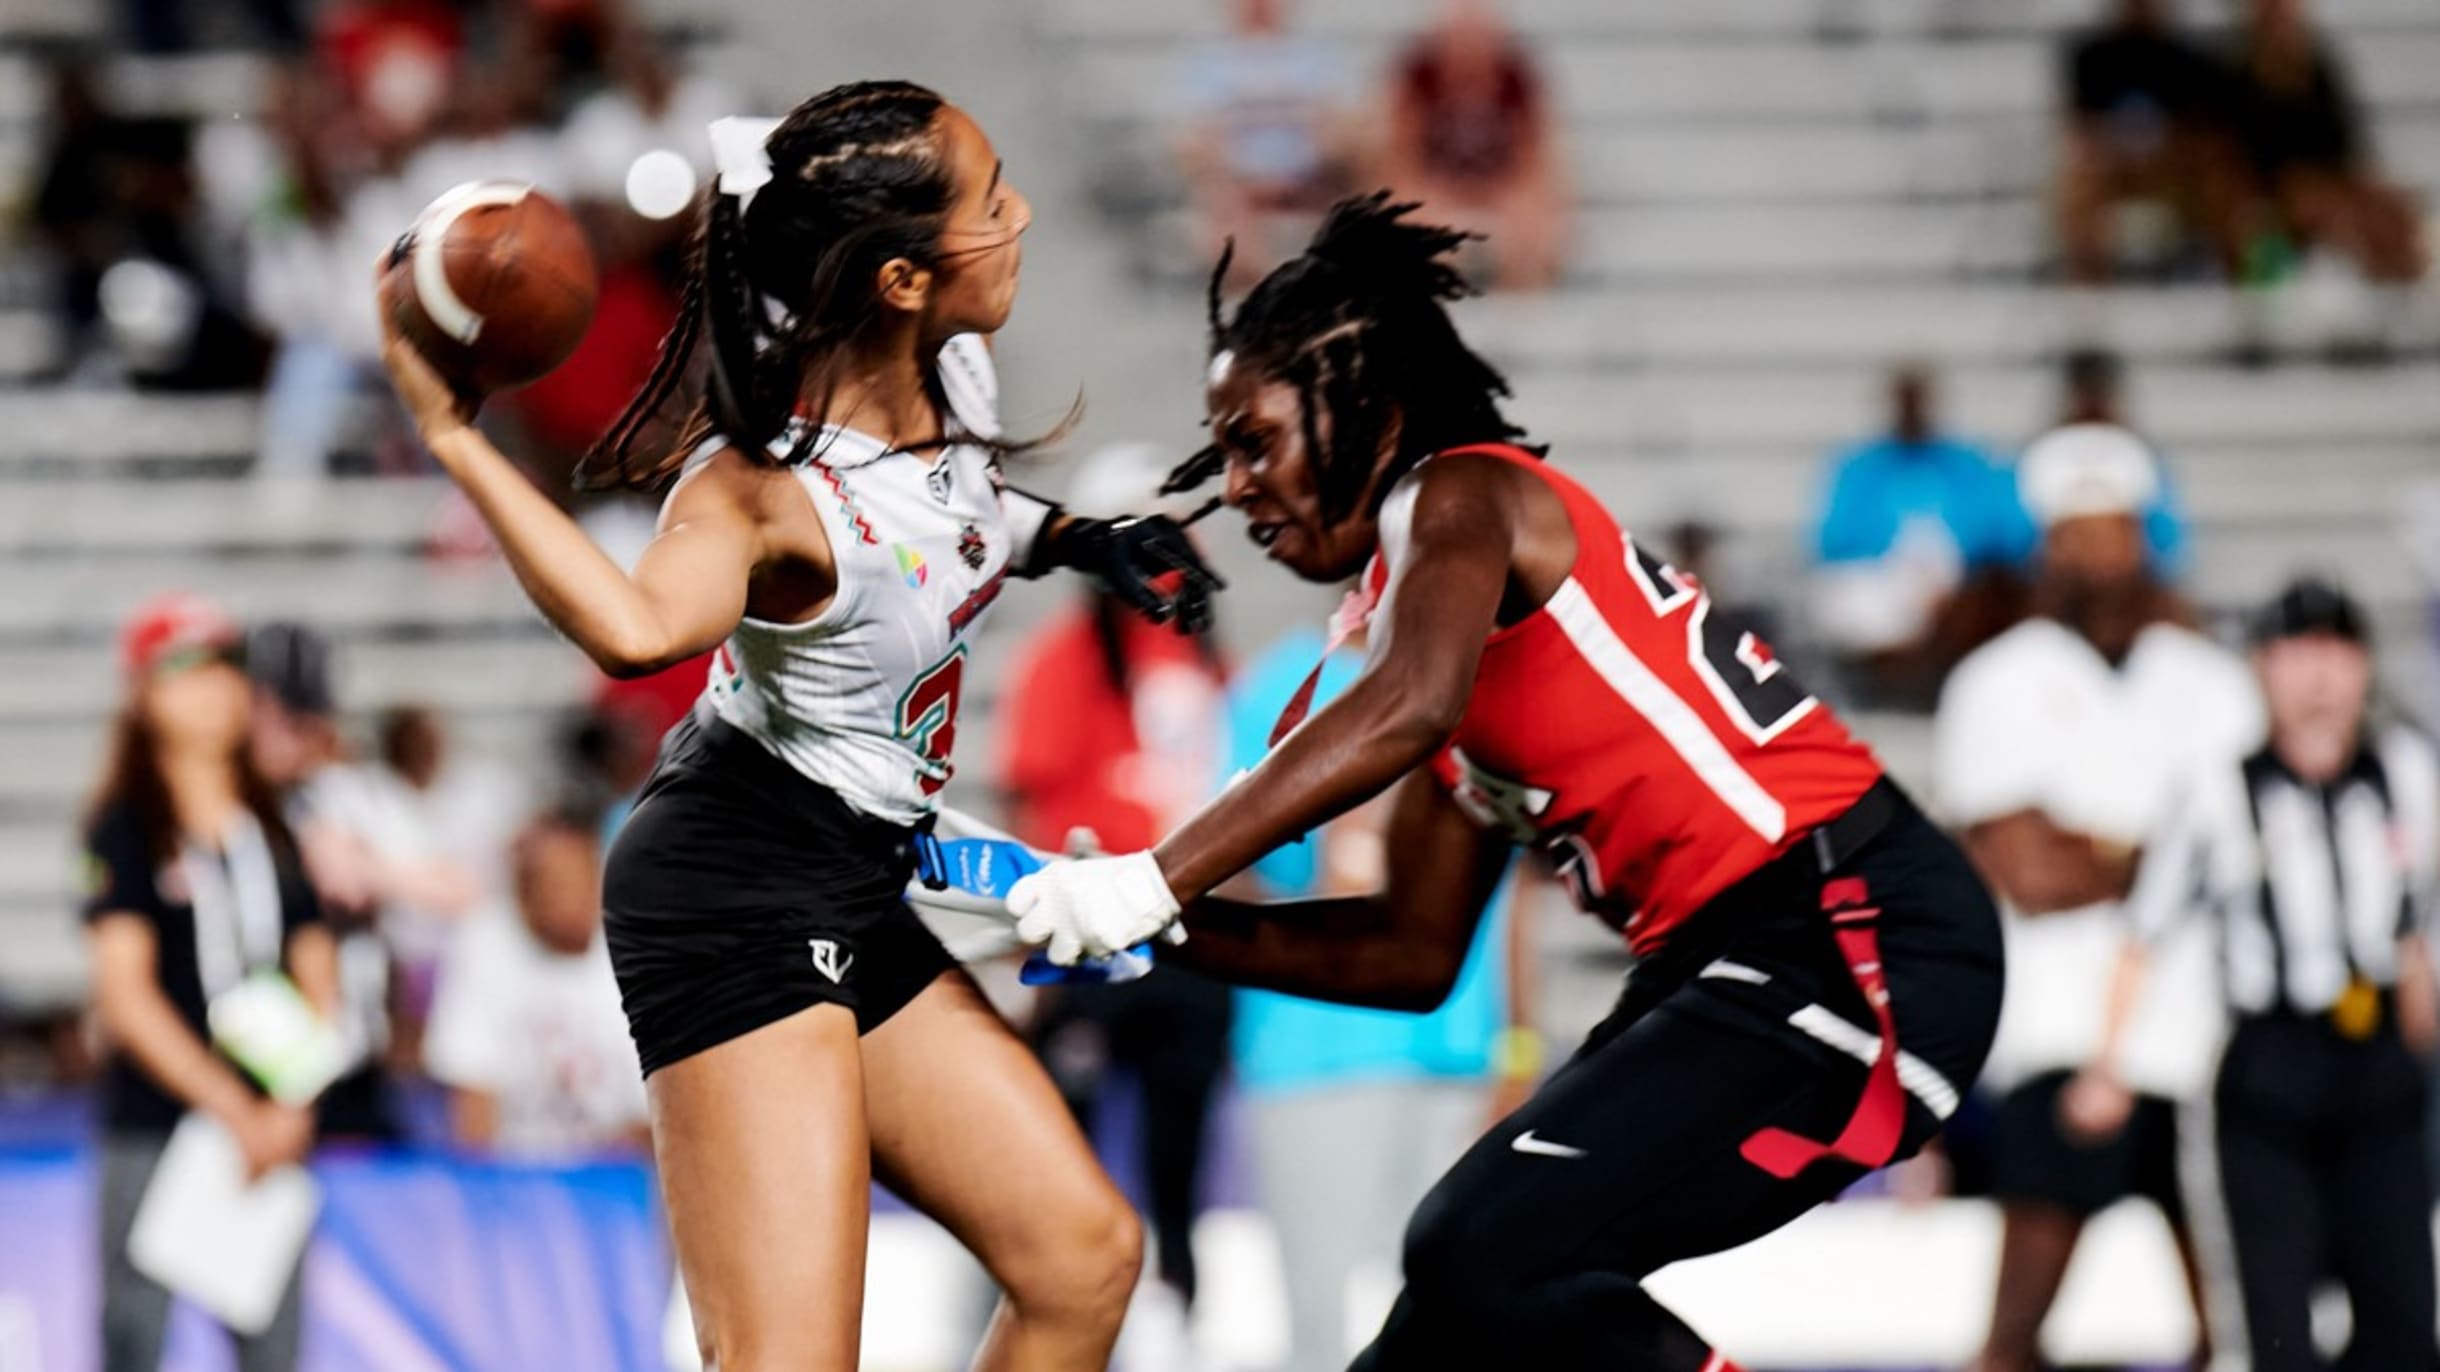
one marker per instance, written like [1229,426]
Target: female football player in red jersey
[1818,969]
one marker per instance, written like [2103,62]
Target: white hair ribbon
[739,155]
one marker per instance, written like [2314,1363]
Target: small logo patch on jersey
[940,479]
[971,547]
[1543,1148]
[911,566]
[829,961]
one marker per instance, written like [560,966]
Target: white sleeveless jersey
[864,698]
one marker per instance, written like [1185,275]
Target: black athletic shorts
[741,891]
[2034,1159]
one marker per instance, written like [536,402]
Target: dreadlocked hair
[1358,324]
[782,290]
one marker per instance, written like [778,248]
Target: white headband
[739,154]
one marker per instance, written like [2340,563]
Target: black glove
[1125,556]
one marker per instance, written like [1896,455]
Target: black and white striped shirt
[2312,885]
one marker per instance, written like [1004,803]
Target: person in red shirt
[1111,728]
[1818,968]
[1473,136]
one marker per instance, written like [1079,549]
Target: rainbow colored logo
[911,566]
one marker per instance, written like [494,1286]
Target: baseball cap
[2310,605]
[2087,469]
[291,663]
[175,625]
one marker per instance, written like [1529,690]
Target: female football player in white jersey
[837,524]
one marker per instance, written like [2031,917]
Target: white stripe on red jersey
[1655,747]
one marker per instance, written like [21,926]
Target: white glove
[1093,907]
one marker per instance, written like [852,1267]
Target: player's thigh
[1629,1159]
[766,1174]
[967,1126]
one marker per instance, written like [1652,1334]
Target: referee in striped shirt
[2319,859]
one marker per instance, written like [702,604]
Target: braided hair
[784,288]
[1358,324]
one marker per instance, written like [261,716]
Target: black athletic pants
[2322,1165]
[1532,1251]
[1170,1029]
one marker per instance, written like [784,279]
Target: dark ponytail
[1358,323]
[784,288]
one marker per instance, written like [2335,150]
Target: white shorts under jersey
[864,697]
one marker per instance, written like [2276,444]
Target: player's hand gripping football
[436,406]
[1093,907]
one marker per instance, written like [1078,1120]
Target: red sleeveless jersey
[1657,750]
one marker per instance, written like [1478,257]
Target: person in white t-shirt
[526,1029]
[2062,746]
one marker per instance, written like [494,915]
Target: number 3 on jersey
[927,717]
[1758,694]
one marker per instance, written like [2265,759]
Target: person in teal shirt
[1355,1112]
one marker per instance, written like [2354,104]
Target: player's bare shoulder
[1477,499]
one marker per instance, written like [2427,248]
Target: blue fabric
[1287,1043]
[1878,486]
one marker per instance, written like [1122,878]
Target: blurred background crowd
[1918,329]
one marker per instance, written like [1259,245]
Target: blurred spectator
[1111,728]
[194,885]
[1270,138]
[2316,860]
[2093,391]
[396,62]
[2147,119]
[1917,548]
[116,207]
[1355,1113]
[161,26]
[1472,134]
[466,806]
[388,894]
[2060,747]
[650,105]
[2304,136]
[304,266]
[605,753]
[526,1028]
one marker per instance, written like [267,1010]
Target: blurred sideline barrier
[425,1262]
[420,1264]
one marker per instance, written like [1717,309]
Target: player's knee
[1083,1273]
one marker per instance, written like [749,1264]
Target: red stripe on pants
[1870,1138]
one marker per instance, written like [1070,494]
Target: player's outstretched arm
[1400,948]
[689,589]
[1447,532]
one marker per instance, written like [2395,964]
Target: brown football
[493,283]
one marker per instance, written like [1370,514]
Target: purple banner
[420,1262]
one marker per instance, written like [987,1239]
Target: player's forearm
[145,1026]
[570,579]
[1342,757]
[2118,1009]
[1347,949]
[2042,868]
